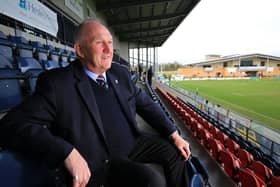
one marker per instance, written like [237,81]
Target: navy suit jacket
[62,114]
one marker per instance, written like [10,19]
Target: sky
[225,27]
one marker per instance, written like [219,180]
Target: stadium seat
[200,169]
[275,181]
[50,64]
[221,136]
[261,170]
[6,54]
[19,40]
[248,179]
[271,163]
[3,36]
[17,170]
[215,147]
[41,54]
[230,163]
[31,77]
[10,94]
[232,146]
[204,136]
[195,178]
[28,63]
[5,62]
[245,157]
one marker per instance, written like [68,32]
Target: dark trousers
[128,172]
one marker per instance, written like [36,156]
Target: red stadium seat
[247,178]
[213,130]
[232,146]
[221,136]
[230,163]
[215,147]
[204,136]
[245,157]
[275,181]
[261,170]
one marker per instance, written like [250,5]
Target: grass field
[257,99]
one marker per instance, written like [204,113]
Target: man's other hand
[181,144]
[78,168]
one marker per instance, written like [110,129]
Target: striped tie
[101,81]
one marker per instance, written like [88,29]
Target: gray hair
[78,34]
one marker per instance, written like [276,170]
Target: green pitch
[257,99]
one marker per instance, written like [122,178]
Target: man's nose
[107,48]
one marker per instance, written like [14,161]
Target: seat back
[261,170]
[31,77]
[50,64]
[248,178]
[215,147]
[230,162]
[231,145]
[5,62]
[200,169]
[245,157]
[275,181]
[10,94]
[17,170]
[28,63]
[194,178]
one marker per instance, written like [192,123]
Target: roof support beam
[145,19]
[104,6]
[156,36]
[134,31]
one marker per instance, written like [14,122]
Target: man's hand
[78,168]
[181,144]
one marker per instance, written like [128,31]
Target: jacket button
[106,161]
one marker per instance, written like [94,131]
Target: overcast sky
[225,27]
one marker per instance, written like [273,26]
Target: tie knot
[101,80]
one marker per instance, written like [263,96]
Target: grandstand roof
[148,22]
[236,57]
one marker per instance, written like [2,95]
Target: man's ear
[78,50]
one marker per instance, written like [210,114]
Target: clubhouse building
[259,65]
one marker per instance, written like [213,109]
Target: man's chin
[107,66]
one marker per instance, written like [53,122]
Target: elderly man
[83,117]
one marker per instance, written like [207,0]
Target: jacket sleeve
[152,113]
[29,127]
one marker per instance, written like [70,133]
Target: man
[150,75]
[86,121]
[140,69]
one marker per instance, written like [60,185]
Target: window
[225,64]
[206,66]
[262,63]
[246,63]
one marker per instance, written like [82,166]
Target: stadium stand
[231,151]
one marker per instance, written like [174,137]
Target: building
[234,66]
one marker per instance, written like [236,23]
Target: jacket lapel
[86,92]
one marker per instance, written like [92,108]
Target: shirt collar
[94,76]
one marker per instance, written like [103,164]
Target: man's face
[96,48]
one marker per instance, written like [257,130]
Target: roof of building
[148,22]
[237,57]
